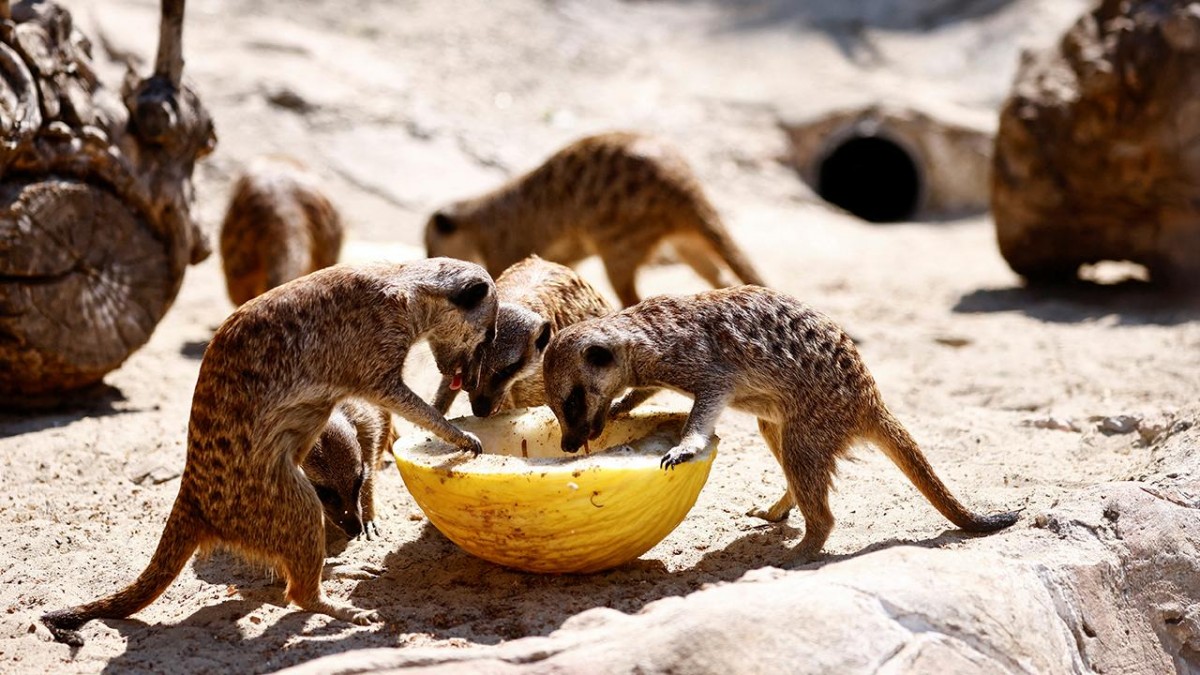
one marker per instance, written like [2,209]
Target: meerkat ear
[600,357]
[444,224]
[470,297]
[543,338]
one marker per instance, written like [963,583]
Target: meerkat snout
[582,379]
[537,297]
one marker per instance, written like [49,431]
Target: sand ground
[404,107]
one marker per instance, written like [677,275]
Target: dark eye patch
[470,297]
[328,496]
[508,373]
[573,406]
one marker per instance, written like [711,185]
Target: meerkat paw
[778,512]
[345,612]
[677,455]
[354,571]
[364,617]
[470,443]
[769,515]
[370,530]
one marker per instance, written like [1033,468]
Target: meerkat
[755,350]
[537,299]
[616,195]
[342,463]
[269,380]
[279,226]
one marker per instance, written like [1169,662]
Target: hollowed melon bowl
[526,504]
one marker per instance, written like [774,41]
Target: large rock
[1098,151]
[1110,584]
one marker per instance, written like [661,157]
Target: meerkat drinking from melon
[616,195]
[758,351]
[537,299]
[270,377]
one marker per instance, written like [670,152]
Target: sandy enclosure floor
[406,108]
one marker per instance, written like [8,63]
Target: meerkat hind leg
[808,463]
[697,254]
[301,555]
[783,506]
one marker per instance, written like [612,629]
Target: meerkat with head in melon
[758,351]
[537,299]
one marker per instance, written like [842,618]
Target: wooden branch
[169,63]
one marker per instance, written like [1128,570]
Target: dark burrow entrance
[871,177]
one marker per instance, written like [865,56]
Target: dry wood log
[1098,151]
[95,202]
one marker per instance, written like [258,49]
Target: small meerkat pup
[269,380]
[756,350]
[342,463]
[279,226]
[537,299]
[616,195]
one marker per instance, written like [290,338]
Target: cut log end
[83,282]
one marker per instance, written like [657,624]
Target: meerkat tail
[179,541]
[715,234]
[900,447]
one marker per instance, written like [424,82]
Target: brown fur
[616,195]
[278,227]
[271,376]
[342,464]
[537,299]
[758,351]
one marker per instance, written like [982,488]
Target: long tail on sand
[179,541]
[891,436]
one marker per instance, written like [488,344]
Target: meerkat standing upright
[268,382]
[537,299]
[616,195]
[279,226]
[756,350]
[342,463]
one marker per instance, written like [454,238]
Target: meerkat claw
[676,456]
[471,444]
[370,530]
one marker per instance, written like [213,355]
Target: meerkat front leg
[698,430]
[445,396]
[632,399]
[413,408]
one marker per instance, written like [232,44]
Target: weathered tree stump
[1098,151]
[95,201]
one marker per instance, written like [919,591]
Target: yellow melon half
[525,503]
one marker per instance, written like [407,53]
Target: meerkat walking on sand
[537,299]
[279,226]
[616,195]
[758,351]
[342,463]
[270,377]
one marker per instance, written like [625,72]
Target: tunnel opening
[872,177]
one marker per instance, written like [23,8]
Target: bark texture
[1098,151]
[95,201]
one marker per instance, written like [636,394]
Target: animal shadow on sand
[478,601]
[1132,302]
[429,585]
[36,414]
